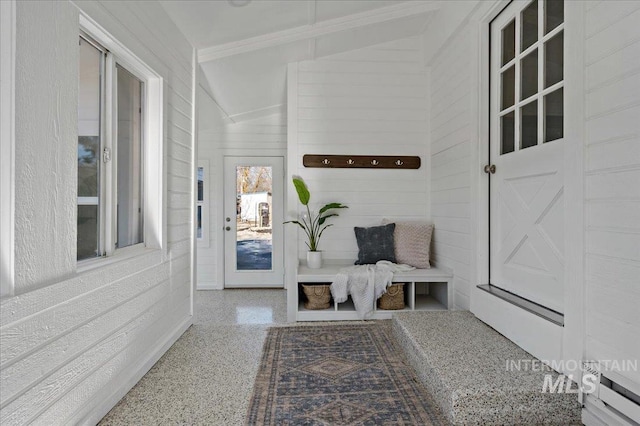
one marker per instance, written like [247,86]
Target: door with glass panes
[526,147]
[253,216]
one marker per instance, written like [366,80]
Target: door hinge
[490,169]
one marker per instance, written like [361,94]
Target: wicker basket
[393,299]
[318,296]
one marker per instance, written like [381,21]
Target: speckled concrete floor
[207,376]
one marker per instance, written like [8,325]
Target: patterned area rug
[338,375]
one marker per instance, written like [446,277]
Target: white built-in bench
[425,290]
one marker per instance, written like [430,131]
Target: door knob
[228,219]
[228,228]
[490,169]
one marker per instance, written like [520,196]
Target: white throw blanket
[365,284]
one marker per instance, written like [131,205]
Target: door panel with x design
[527,225]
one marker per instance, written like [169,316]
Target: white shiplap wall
[72,344]
[371,101]
[612,146]
[452,151]
[266,136]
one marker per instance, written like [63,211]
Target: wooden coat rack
[362,161]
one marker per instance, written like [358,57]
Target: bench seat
[425,289]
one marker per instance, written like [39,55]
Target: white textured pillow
[412,241]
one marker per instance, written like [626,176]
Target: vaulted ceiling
[244,45]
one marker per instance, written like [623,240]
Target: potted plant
[313,224]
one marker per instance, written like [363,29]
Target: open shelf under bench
[425,290]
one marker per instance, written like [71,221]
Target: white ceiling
[243,50]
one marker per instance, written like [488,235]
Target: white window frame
[7,145]
[154,232]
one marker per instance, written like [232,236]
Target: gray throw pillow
[375,244]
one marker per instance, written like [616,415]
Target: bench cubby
[425,290]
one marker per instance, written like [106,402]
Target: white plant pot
[314,259]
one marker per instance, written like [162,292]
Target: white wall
[612,177]
[452,154]
[266,136]
[71,344]
[371,101]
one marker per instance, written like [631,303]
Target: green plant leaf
[324,218]
[322,230]
[296,222]
[301,189]
[332,206]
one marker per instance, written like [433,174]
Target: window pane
[507,138]
[508,87]
[87,232]
[88,149]
[90,62]
[553,60]
[200,184]
[554,14]
[199,220]
[254,233]
[529,75]
[529,25]
[509,42]
[529,125]
[129,165]
[553,116]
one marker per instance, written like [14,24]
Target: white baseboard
[538,336]
[209,285]
[102,408]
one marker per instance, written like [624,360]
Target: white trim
[482,125]
[305,32]
[194,195]
[7,145]
[291,199]
[574,339]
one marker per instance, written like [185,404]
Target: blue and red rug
[338,375]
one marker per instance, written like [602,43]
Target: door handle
[228,228]
[490,169]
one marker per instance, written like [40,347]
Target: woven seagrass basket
[393,299]
[318,296]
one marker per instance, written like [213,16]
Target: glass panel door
[252,223]
[526,190]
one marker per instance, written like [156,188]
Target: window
[202,205]
[119,148]
[530,76]
[108,160]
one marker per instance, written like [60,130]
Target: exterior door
[253,216]
[526,190]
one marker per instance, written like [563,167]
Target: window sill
[120,255]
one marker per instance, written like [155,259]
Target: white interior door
[526,190]
[253,216]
